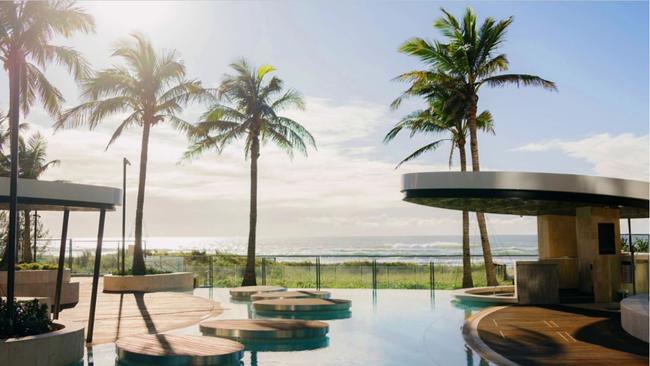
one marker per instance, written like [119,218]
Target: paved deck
[557,335]
[120,315]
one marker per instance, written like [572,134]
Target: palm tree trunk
[26,247]
[14,71]
[467,259]
[249,274]
[138,255]
[490,270]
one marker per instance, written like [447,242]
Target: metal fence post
[432,276]
[263,271]
[70,254]
[374,274]
[317,273]
[211,272]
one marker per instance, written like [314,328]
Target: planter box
[149,283]
[42,283]
[61,347]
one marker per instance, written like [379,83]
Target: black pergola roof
[528,194]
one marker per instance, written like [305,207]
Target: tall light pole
[125,162]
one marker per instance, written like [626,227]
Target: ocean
[389,248]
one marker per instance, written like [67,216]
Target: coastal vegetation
[226,270]
[151,87]
[457,67]
[247,109]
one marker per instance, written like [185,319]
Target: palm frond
[432,146]
[518,80]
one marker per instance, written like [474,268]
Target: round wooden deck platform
[302,305]
[291,294]
[245,329]
[245,292]
[167,349]
[558,335]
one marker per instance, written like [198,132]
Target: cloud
[343,187]
[619,156]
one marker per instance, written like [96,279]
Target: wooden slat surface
[178,345]
[290,294]
[244,293]
[120,315]
[264,325]
[532,335]
[301,301]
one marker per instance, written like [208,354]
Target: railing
[308,271]
[336,271]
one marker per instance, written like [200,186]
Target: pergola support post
[98,258]
[629,236]
[59,271]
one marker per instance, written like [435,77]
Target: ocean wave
[438,244]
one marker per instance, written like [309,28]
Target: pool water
[386,327]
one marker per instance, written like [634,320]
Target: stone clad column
[556,241]
[599,272]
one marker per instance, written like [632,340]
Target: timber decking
[245,292]
[169,349]
[246,329]
[559,335]
[120,315]
[302,305]
[291,294]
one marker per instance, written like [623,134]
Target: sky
[342,56]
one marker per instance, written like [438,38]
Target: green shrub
[149,271]
[30,319]
[36,266]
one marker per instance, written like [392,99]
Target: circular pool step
[262,330]
[245,292]
[291,295]
[169,349]
[302,305]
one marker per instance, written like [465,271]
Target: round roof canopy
[58,196]
[531,194]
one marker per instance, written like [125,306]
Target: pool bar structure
[578,224]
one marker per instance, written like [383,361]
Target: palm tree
[246,108]
[26,31]
[150,87]
[443,116]
[33,163]
[471,55]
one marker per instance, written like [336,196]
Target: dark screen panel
[606,239]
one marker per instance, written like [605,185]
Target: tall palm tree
[26,31]
[246,108]
[33,163]
[471,55]
[151,87]
[444,116]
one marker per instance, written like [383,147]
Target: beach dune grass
[227,271]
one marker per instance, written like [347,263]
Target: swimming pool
[389,327]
